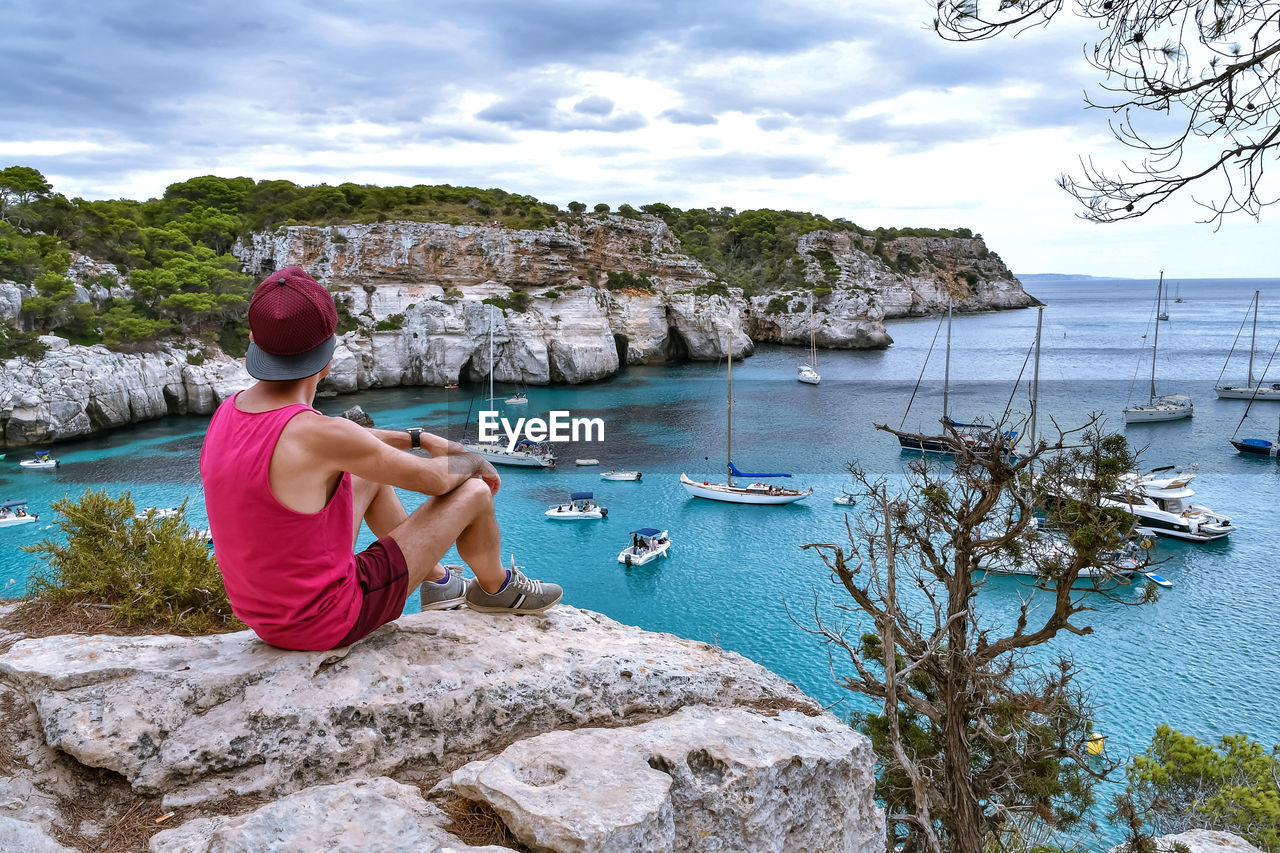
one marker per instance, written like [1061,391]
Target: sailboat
[808,371]
[1248,391]
[973,435]
[730,492]
[526,454]
[1177,293]
[1258,446]
[1167,407]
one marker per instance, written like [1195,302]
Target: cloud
[739,164]
[595,105]
[678,116]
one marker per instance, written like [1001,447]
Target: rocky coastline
[576,732]
[569,304]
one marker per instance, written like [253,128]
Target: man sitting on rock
[287,488]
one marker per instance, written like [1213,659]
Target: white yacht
[1160,502]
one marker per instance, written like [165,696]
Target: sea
[1203,658]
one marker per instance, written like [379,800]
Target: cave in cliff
[676,348]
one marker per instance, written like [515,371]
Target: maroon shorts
[384,584]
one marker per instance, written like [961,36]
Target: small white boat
[806,374]
[519,399]
[586,462]
[1043,547]
[846,500]
[41,462]
[647,544]
[157,512]
[581,507]
[13,513]
[633,476]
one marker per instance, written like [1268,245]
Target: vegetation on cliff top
[175,250]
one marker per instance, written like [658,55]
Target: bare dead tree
[1193,90]
[977,736]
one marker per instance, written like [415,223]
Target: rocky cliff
[578,733]
[568,304]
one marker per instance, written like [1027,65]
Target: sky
[854,110]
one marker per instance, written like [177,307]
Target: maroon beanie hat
[293,319]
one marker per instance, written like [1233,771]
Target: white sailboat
[1250,390]
[730,492]
[1165,407]
[525,454]
[808,371]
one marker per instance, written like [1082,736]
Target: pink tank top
[290,575]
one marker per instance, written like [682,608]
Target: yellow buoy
[1096,743]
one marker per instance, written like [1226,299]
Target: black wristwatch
[415,438]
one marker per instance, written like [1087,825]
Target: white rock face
[17,835]
[76,390]
[702,779]
[11,296]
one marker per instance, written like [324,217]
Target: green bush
[500,302]
[454,293]
[777,305]
[394,323]
[623,280]
[151,571]
[713,288]
[520,301]
[195,358]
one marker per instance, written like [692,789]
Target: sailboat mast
[813,335]
[491,358]
[946,371]
[1254,336]
[729,416]
[1035,379]
[1155,343]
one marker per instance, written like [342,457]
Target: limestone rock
[359,416]
[703,779]
[196,718]
[75,390]
[369,815]
[18,835]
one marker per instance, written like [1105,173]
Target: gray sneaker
[520,595]
[451,593]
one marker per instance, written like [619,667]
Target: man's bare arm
[434,445]
[341,445]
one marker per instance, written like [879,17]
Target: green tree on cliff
[19,187]
[976,741]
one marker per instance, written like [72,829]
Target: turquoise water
[1204,658]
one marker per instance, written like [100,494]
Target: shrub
[151,571]
[713,288]
[16,344]
[497,301]
[601,208]
[195,358]
[777,305]
[552,295]
[520,301]
[454,293]
[623,280]
[394,323]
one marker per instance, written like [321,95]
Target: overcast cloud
[845,109]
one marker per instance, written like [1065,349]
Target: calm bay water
[1205,658]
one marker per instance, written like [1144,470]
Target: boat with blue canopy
[13,513]
[647,544]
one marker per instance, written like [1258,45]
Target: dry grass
[37,618]
[10,713]
[477,824]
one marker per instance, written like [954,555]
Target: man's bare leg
[378,505]
[465,516]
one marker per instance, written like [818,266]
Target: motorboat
[517,399]
[42,462]
[1045,547]
[1160,502]
[581,507]
[1163,407]
[647,544]
[632,476]
[158,512]
[846,500]
[13,513]
[586,462]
